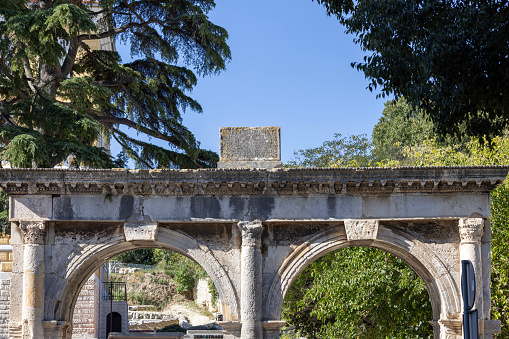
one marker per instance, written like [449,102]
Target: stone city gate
[253,231]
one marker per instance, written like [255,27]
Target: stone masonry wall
[5,298]
[85,321]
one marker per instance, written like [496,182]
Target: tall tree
[450,58]
[400,126]
[354,150]
[58,95]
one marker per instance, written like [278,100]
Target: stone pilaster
[471,232]
[251,280]
[33,233]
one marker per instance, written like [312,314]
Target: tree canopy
[359,292]
[58,95]
[450,58]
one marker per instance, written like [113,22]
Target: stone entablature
[259,181]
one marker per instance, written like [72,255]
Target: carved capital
[251,232]
[471,230]
[33,232]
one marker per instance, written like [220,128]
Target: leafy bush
[359,290]
[139,298]
[183,270]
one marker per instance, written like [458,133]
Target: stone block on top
[250,148]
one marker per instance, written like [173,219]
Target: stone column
[471,232]
[251,280]
[33,278]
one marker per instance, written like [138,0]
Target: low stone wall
[151,325]
[148,315]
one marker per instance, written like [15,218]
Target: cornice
[299,181]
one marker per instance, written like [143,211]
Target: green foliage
[184,271]
[362,291]
[5,225]
[449,58]
[142,256]
[399,126]
[499,260]
[359,292]
[139,298]
[213,292]
[352,151]
[57,96]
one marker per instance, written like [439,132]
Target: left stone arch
[77,263]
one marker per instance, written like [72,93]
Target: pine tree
[58,94]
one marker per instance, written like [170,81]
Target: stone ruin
[253,226]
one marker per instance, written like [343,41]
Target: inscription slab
[250,147]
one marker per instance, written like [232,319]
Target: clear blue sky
[291,68]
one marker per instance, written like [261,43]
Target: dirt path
[195,318]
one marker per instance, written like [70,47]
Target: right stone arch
[443,289]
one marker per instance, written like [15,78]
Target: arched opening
[358,292]
[443,292]
[73,269]
[113,323]
[186,268]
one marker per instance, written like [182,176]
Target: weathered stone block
[26,208]
[4,256]
[361,229]
[250,147]
[6,266]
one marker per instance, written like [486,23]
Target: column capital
[471,230]
[33,231]
[251,232]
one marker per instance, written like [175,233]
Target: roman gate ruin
[253,230]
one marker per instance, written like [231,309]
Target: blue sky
[291,68]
